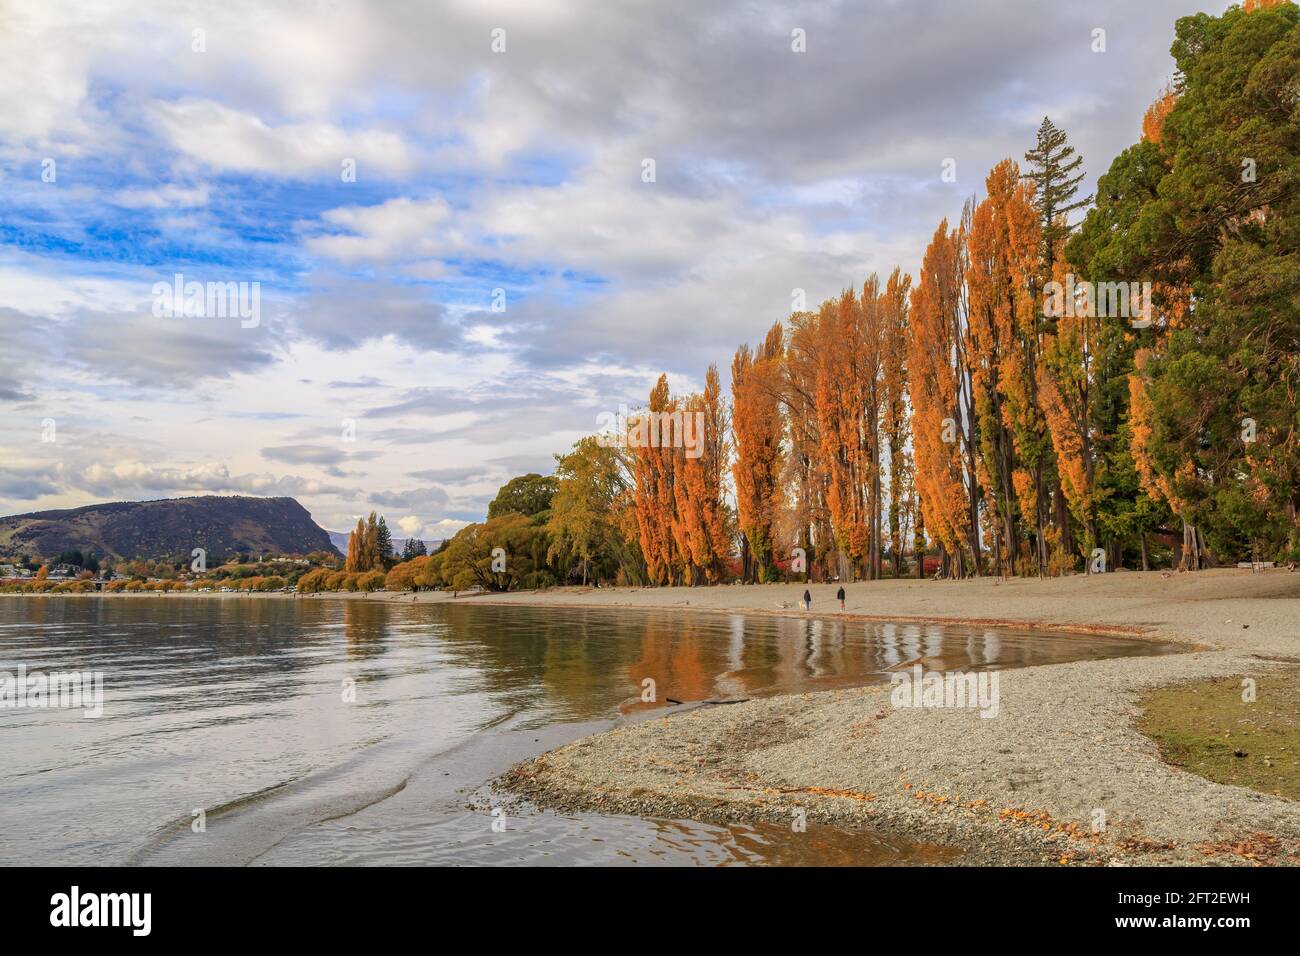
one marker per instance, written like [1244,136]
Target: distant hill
[169,528]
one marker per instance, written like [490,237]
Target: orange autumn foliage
[654,502]
[1065,390]
[847,404]
[679,456]
[932,353]
[1003,259]
[894,422]
[757,431]
[1153,121]
[699,519]
[805,522]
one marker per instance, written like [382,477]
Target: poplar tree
[894,421]
[757,431]
[945,486]
[356,543]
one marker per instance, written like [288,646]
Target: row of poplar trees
[956,413]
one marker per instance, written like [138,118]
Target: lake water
[336,732]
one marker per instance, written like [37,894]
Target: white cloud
[523,170]
[123,478]
[227,139]
[445,528]
[401,229]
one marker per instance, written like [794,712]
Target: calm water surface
[237,707]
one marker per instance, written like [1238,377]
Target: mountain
[340,539]
[168,528]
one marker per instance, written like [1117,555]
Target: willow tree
[589,512]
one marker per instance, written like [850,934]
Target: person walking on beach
[841,597]
[807,600]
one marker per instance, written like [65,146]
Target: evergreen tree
[1207,207]
[1054,170]
[385,541]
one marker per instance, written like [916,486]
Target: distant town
[73,572]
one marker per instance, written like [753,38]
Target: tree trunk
[1039,522]
[974,501]
[1062,516]
[1192,544]
[918,539]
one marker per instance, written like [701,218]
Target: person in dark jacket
[841,598]
[807,600]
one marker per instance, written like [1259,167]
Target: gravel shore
[1060,775]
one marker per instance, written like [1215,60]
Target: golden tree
[355,546]
[1014,445]
[805,523]
[934,355]
[757,429]
[894,371]
[653,475]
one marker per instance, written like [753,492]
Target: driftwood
[712,701]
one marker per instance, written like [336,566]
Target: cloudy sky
[498,271]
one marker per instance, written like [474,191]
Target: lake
[242,731]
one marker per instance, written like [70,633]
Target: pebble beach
[1060,776]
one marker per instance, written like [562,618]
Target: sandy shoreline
[985,602]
